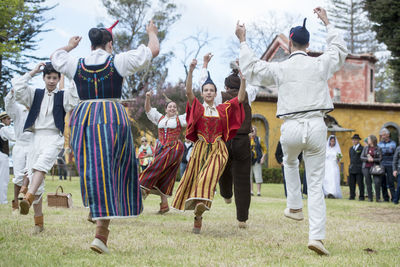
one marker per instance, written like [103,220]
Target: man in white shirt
[303,99]
[23,141]
[6,134]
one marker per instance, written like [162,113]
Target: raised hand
[322,15]
[37,69]
[193,65]
[151,28]
[207,57]
[74,41]
[240,32]
[149,94]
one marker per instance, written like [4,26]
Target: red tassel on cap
[110,29]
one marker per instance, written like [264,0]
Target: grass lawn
[166,240]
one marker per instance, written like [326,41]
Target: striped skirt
[159,177]
[205,167]
[104,152]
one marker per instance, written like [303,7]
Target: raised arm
[147,105]
[24,94]
[189,89]
[204,73]
[62,61]
[242,89]
[335,55]
[258,72]
[153,43]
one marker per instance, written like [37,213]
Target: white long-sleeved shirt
[167,122]
[301,80]
[126,63]
[24,94]
[7,133]
[18,114]
[250,89]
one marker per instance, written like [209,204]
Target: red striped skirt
[159,177]
[205,167]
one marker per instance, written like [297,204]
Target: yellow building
[364,119]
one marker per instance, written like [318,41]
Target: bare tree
[193,45]
[262,31]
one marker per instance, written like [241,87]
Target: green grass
[166,240]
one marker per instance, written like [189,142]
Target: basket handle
[62,190]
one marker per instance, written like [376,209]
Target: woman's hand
[149,94]
[151,28]
[193,65]
[74,42]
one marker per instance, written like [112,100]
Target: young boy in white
[46,120]
[18,114]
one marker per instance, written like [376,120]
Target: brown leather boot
[15,206]
[26,203]
[99,244]
[39,222]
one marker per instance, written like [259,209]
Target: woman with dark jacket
[370,156]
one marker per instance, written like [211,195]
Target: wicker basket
[57,199]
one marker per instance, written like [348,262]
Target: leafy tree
[21,21]
[386,17]
[131,32]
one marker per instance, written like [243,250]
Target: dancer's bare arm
[189,89]
[153,43]
[242,89]
[147,105]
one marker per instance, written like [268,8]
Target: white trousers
[307,135]
[20,157]
[43,154]
[4,177]
[256,171]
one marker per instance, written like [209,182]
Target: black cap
[300,34]
[356,136]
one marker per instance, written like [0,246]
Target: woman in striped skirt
[209,127]
[159,177]
[100,132]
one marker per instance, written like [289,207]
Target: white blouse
[18,114]
[7,133]
[126,63]
[210,111]
[166,122]
[24,94]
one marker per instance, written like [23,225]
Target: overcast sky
[218,17]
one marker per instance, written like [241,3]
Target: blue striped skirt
[104,153]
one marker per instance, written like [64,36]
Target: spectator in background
[355,168]
[145,154]
[62,171]
[396,174]
[258,153]
[6,134]
[372,154]
[388,148]
[331,182]
[188,146]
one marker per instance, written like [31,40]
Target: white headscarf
[336,147]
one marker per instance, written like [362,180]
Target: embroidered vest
[4,148]
[167,135]
[210,128]
[98,81]
[58,110]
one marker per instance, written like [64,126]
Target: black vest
[355,160]
[4,144]
[98,81]
[245,128]
[58,110]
